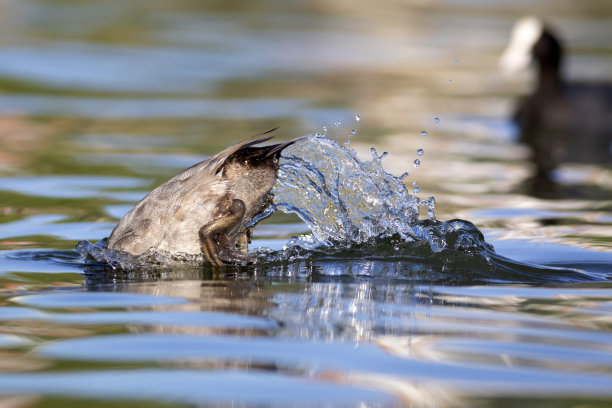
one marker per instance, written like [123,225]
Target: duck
[561,121]
[207,208]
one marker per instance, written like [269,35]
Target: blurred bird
[560,121]
[206,208]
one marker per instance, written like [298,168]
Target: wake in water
[356,210]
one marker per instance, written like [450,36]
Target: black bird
[206,208]
[560,121]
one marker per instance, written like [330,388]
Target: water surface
[101,101]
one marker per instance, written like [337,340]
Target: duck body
[206,208]
[590,104]
[560,121]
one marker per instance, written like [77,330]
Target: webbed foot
[232,256]
[216,245]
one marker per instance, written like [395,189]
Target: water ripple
[191,387]
[311,357]
[58,300]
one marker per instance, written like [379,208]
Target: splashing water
[341,198]
[355,206]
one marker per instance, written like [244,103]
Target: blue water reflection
[75,298]
[52,225]
[312,358]
[192,387]
[71,186]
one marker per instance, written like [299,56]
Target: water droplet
[423,133]
[353,132]
[450,81]
[416,190]
[423,203]
[403,176]
[420,152]
[337,123]
[324,129]
[417,163]
[375,155]
[437,119]
[357,117]
[414,183]
[431,211]
[456,62]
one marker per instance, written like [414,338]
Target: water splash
[348,138]
[341,198]
[358,209]
[153,258]
[349,203]
[352,207]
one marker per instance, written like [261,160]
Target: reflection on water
[408,341]
[186,386]
[102,100]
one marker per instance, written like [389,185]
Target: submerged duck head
[206,208]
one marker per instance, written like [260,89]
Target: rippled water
[101,101]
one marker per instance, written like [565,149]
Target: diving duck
[206,208]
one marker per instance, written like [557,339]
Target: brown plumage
[206,208]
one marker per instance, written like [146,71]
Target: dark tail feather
[221,158]
[265,139]
[279,147]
